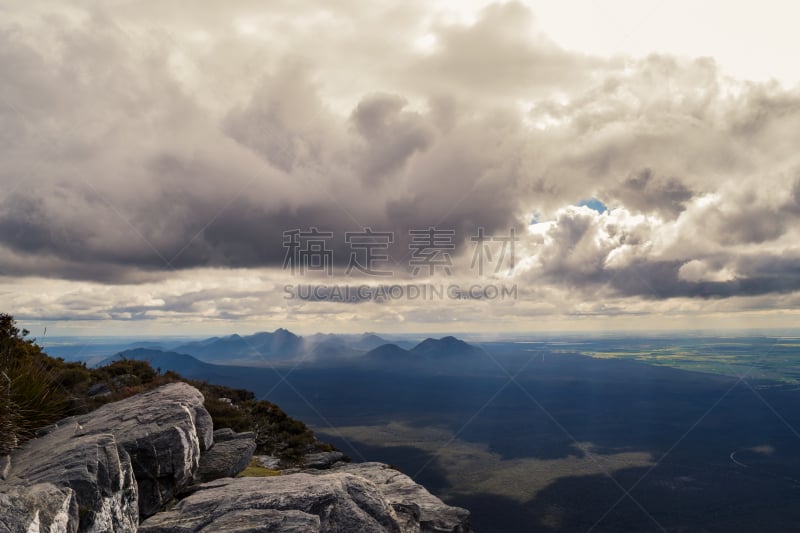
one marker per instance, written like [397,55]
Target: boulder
[224,434]
[5,466]
[266,520]
[98,389]
[230,455]
[204,426]
[163,431]
[117,468]
[38,507]
[269,461]
[317,461]
[322,460]
[349,497]
[416,508]
[237,521]
[338,503]
[97,473]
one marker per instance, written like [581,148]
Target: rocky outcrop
[5,466]
[120,462]
[416,508]
[244,521]
[322,460]
[316,461]
[163,432]
[230,455]
[35,508]
[360,497]
[118,468]
[341,502]
[98,389]
[268,461]
[97,471]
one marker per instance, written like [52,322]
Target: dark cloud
[135,145]
[751,216]
[660,280]
[391,135]
[645,192]
[749,225]
[285,122]
[794,204]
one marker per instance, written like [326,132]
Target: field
[619,441]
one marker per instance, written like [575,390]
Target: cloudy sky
[155,152]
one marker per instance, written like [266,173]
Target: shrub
[30,397]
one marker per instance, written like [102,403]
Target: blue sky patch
[593,203]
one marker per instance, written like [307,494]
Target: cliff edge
[153,463]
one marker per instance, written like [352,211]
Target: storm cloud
[141,142]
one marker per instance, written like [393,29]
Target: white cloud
[697,270]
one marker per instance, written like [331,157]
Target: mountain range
[430,350]
[221,355]
[268,348]
[281,344]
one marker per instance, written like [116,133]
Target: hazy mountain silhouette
[387,353]
[428,353]
[280,344]
[263,348]
[234,353]
[178,362]
[445,348]
[282,347]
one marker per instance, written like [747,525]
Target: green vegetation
[37,390]
[276,432]
[769,361]
[29,393]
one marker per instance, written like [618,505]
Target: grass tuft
[254,469]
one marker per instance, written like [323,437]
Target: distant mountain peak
[445,347]
[449,341]
[280,344]
[387,351]
[180,362]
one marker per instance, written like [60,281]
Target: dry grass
[254,469]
